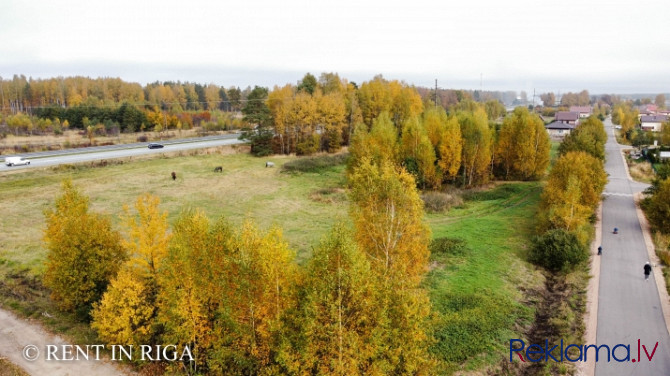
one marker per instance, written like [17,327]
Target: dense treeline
[21,94]
[570,198]
[463,147]
[238,299]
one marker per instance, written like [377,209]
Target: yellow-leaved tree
[126,314]
[450,149]
[388,216]
[337,322]
[477,146]
[83,252]
[523,145]
[572,193]
[261,277]
[418,154]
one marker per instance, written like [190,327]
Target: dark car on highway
[154,146]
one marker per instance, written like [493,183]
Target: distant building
[583,111]
[558,130]
[568,117]
[652,123]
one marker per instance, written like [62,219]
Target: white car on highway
[16,161]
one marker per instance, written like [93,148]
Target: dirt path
[17,334]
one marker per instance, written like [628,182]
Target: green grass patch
[479,274]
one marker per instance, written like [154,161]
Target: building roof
[559,125]
[653,119]
[567,116]
[581,109]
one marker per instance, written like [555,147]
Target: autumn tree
[665,133]
[183,308]
[125,313]
[261,276]
[450,149]
[378,144]
[279,102]
[337,321]
[589,136]
[548,99]
[477,146]
[572,193]
[387,214]
[658,207]
[331,110]
[418,154]
[660,100]
[83,252]
[222,293]
[523,146]
[374,98]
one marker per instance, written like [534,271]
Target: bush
[315,164]
[498,193]
[448,246]
[440,202]
[558,249]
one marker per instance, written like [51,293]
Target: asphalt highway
[53,158]
[629,308]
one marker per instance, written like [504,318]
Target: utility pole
[436,93]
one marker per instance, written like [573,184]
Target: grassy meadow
[479,281]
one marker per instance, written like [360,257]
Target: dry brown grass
[641,171]
[9,369]
[244,189]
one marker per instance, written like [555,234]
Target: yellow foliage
[450,148]
[124,315]
[387,212]
[84,252]
[148,234]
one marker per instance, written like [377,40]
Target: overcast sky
[562,45]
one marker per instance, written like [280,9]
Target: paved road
[629,307]
[44,159]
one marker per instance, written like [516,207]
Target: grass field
[245,189]
[479,288]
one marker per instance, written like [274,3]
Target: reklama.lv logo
[538,353]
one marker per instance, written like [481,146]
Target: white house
[652,123]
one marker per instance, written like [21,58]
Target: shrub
[500,192]
[558,250]
[448,246]
[440,202]
[142,138]
[315,164]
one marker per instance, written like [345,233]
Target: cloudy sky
[562,45]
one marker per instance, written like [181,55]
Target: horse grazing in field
[174,175]
[218,169]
